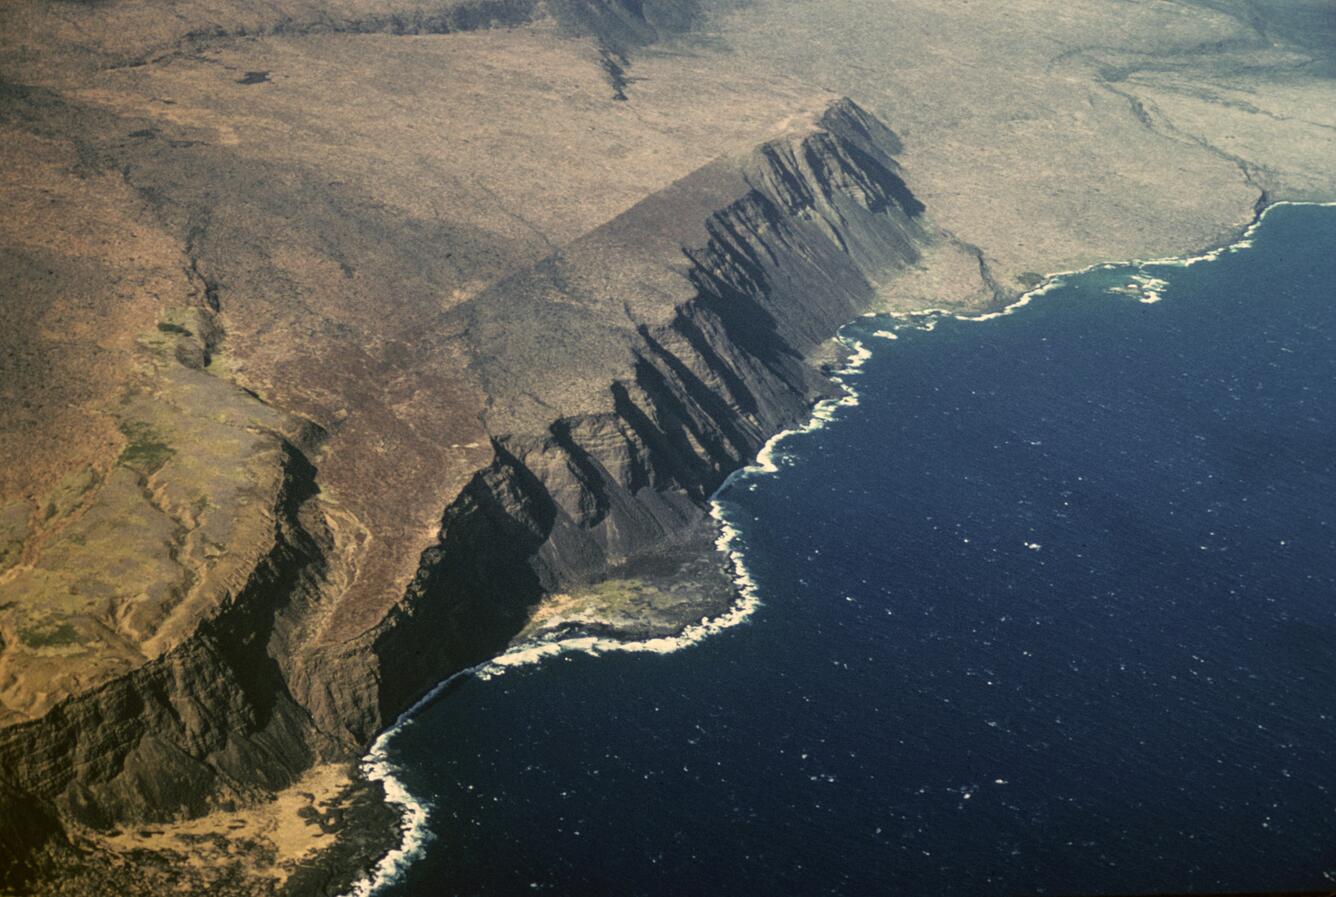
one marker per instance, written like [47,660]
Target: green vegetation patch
[13,531]
[1030,279]
[617,594]
[169,327]
[58,635]
[147,451]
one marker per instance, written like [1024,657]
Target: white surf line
[1245,240]
[377,766]
[415,814]
[927,318]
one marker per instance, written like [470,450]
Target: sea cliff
[346,344]
[626,376]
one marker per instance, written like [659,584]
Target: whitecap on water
[415,814]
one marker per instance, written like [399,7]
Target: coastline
[505,411]
[1242,239]
[376,765]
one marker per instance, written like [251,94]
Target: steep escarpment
[718,346]
[714,345]
[533,328]
[620,379]
[624,377]
[208,722]
[631,372]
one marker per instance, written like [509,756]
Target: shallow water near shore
[1051,609]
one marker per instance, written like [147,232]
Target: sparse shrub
[55,636]
[146,451]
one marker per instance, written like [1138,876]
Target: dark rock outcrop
[628,374]
[212,720]
[632,371]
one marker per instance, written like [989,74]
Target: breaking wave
[415,813]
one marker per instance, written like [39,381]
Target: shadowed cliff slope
[626,375]
[630,372]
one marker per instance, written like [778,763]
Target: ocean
[1050,607]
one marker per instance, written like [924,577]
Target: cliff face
[626,375]
[337,335]
[632,371]
[714,325]
[207,723]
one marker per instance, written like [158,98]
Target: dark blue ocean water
[1053,610]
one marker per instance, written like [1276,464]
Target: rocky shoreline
[594,523]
